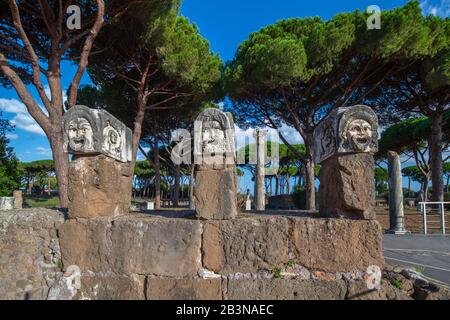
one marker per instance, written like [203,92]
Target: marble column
[396,214]
[260,198]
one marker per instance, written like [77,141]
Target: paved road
[431,253]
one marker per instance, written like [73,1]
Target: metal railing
[423,208]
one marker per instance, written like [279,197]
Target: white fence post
[423,206]
[424,214]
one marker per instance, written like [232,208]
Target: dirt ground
[413,220]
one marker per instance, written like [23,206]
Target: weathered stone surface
[396,214]
[245,244]
[215,194]
[337,245]
[85,243]
[6,203]
[165,247]
[347,186]
[92,131]
[111,287]
[285,289]
[30,259]
[18,199]
[357,290]
[98,186]
[128,245]
[184,289]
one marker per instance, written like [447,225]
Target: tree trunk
[61,167]
[276,184]
[448,180]
[426,181]
[436,157]
[176,186]
[157,175]
[310,183]
[191,188]
[49,190]
[409,186]
[288,185]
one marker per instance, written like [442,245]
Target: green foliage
[397,283]
[276,271]
[181,70]
[299,197]
[409,134]
[381,180]
[10,174]
[291,263]
[186,56]
[143,169]
[414,173]
[60,264]
[446,196]
[41,201]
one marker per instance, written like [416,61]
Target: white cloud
[43,151]
[12,136]
[22,118]
[441,8]
[49,94]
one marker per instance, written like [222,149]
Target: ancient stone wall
[148,257]
[30,259]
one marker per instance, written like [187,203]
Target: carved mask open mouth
[80,135]
[359,134]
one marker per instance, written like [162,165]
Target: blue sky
[225,23]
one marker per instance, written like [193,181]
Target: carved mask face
[359,134]
[81,136]
[213,137]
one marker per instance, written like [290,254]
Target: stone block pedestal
[215,194]
[98,186]
[346,186]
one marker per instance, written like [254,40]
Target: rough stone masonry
[99,173]
[215,190]
[139,256]
[345,142]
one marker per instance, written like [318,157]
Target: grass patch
[291,263]
[276,272]
[41,201]
[397,283]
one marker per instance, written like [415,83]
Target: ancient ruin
[344,146]
[99,173]
[260,197]
[214,154]
[396,213]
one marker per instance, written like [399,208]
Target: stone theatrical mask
[112,140]
[213,137]
[346,130]
[359,135]
[81,135]
[91,131]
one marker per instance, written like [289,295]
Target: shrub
[299,197]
